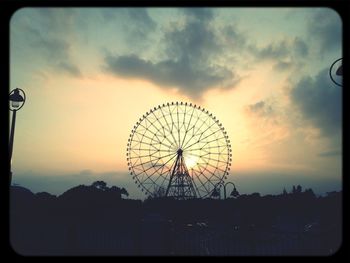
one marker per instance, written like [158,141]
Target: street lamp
[234,192]
[336,78]
[17,99]
[216,190]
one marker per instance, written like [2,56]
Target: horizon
[95,71]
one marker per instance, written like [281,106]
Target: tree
[119,191]
[284,191]
[159,192]
[100,185]
[299,189]
[309,192]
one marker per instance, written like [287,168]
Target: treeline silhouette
[101,220]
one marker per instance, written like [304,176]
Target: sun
[191,161]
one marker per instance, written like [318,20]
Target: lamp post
[234,192]
[338,72]
[216,190]
[17,101]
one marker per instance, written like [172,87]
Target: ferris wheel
[178,149]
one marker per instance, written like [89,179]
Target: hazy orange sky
[90,73]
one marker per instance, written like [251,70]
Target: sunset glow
[91,73]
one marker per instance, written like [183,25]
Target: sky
[90,73]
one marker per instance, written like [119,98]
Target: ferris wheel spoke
[178,124]
[168,124]
[195,185]
[173,130]
[205,168]
[204,148]
[200,180]
[143,135]
[141,149]
[172,124]
[161,165]
[144,143]
[186,130]
[215,179]
[214,160]
[217,139]
[149,176]
[167,174]
[204,121]
[186,149]
[157,158]
[200,140]
[142,156]
[209,128]
[193,134]
[155,136]
[215,167]
[208,158]
[148,137]
[171,143]
[164,174]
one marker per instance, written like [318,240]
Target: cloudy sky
[90,73]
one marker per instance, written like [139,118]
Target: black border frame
[9,7]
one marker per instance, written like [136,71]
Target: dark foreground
[289,224]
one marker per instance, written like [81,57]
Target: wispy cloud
[261,108]
[47,37]
[285,54]
[332,153]
[319,102]
[189,62]
[325,26]
[70,68]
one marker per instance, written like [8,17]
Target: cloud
[282,65]
[137,20]
[267,122]
[300,47]
[191,80]
[54,49]
[141,18]
[319,102]
[69,68]
[195,41]
[272,51]
[140,25]
[46,34]
[325,26]
[261,108]
[189,62]
[201,14]
[332,153]
[286,53]
[57,54]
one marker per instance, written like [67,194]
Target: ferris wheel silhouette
[180,150]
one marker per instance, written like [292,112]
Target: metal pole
[225,191]
[12,133]
[172,174]
[226,185]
